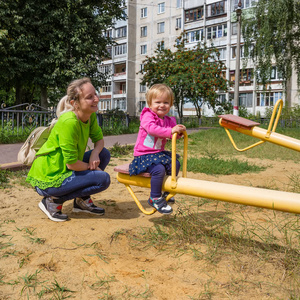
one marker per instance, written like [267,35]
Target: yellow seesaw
[259,197]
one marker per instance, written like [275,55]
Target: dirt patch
[98,257]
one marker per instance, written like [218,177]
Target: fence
[23,118]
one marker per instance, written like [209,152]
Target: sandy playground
[92,257]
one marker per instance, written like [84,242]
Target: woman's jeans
[158,173]
[81,183]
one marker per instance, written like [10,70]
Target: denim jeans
[158,173]
[81,184]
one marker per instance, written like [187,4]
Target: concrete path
[9,152]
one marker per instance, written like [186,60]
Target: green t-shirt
[66,144]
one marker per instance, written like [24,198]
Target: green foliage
[272,32]
[194,74]
[48,44]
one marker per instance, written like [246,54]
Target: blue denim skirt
[141,163]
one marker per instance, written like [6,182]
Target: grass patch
[218,166]
[8,178]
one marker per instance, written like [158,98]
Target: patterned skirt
[141,163]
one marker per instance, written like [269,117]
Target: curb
[14,166]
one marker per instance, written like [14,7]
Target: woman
[62,169]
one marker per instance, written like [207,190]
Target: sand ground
[98,258]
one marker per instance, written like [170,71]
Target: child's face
[161,105]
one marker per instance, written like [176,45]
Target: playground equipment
[259,197]
[250,128]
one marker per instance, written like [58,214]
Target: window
[223,53]
[194,14]
[161,45]
[143,49]
[144,31]
[144,12]
[194,36]
[246,75]
[161,7]
[234,28]
[268,99]
[106,88]
[106,69]
[142,66]
[178,23]
[142,88]
[178,3]
[161,27]
[142,105]
[108,33]
[245,99]
[104,104]
[216,9]
[120,49]
[242,54]
[121,32]
[245,3]
[275,74]
[217,31]
[120,103]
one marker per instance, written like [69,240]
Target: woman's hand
[94,161]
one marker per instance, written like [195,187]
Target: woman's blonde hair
[74,91]
[158,89]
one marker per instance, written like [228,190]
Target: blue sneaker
[161,205]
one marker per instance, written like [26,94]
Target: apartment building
[157,24]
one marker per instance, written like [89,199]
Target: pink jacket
[153,133]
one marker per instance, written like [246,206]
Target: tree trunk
[288,92]
[44,97]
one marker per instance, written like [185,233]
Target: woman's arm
[94,159]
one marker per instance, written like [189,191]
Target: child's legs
[169,167]
[79,184]
[104,157]
[157,176]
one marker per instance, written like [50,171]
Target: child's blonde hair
[73,92]
[158,89]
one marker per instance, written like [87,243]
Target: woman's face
[88,100]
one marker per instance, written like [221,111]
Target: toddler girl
[149,151]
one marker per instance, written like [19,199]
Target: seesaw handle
[184,165]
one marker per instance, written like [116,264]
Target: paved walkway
[9,152]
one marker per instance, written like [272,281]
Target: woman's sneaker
[165,195]
[161,205]
[52,210]
[87,206]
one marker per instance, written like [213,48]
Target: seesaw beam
[259,197]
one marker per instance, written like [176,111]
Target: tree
[273,33]
[45,44]
[194,74]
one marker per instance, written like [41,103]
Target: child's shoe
[52,210]
[87,206]
[161,205]
[165,195]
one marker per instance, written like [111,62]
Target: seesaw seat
[236,121]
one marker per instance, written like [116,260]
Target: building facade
[155,24]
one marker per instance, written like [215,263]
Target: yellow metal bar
[265,198]
[138,203]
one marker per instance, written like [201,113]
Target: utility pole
[237,60]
